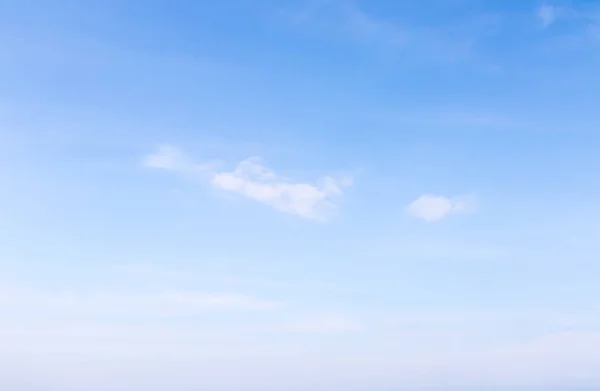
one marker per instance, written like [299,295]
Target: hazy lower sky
[299,195]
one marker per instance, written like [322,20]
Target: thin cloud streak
[345,21]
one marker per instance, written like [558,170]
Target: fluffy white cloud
[253,180]
[432,208]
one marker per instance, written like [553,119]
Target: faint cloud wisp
[346,21]
[583,21]
[547,15]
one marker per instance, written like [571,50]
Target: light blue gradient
[116,275]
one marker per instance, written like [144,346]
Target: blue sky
[300,195]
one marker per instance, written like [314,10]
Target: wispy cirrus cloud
[347,21]
[164,303]
[323,323]
[461,40]
[170,158]
[252,179]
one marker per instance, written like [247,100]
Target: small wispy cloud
[170,158]
[367,27]
[218,301]
[547,14]
[166,158]
[252,179]
[347,22]
[432,208]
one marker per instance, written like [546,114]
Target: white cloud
[253,180]
[547,14]
[433,208]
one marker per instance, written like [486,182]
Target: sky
[299,195]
